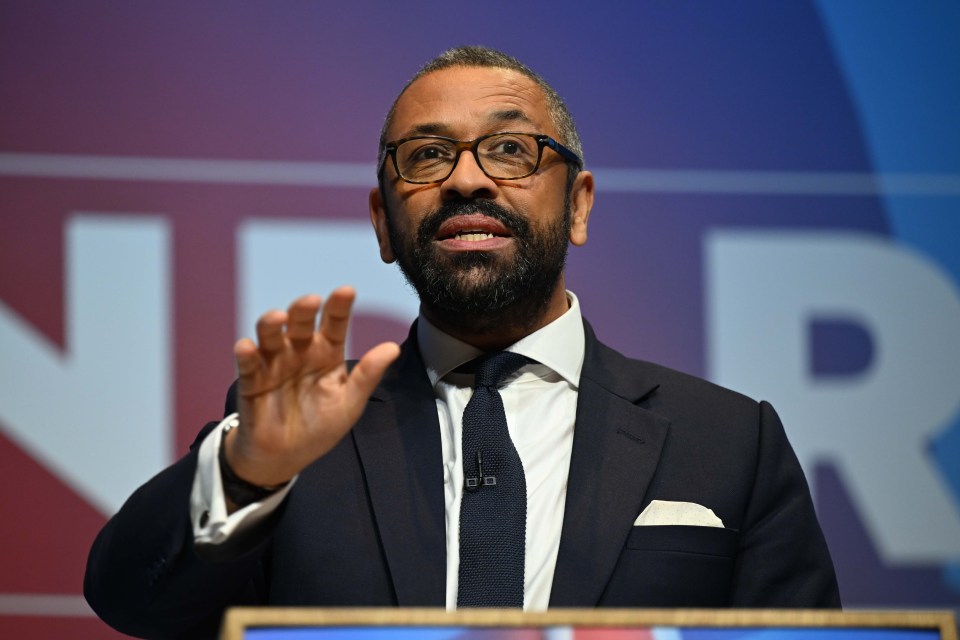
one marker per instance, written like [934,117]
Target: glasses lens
[426,159]
[509,155]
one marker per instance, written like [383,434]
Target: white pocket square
[690,514]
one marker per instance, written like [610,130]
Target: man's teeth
[473,236]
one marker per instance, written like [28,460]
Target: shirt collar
[558,346]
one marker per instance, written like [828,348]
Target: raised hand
[295,398]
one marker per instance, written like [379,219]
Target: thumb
[367,373]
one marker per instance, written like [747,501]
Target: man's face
[480,252]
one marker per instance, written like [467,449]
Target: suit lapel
[398,441]
[616,447]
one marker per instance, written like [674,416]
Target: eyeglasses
[502,156]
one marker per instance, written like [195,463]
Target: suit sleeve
[144,576]
[783,561]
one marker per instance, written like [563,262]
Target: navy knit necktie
[493,512]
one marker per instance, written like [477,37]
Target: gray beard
[478,292]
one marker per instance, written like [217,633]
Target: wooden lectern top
[268,623]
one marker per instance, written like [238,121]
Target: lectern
[584,624]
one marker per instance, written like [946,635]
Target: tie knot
[492,368]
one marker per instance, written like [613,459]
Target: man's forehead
[456,99]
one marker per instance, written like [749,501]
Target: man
[329,485]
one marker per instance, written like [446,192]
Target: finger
[270,332]
[247,357]
[302,319]
[367,373]
[336,315]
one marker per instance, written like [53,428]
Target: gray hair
[475,56]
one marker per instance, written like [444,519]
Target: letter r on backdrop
[764,290]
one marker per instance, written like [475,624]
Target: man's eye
[507,147]
[428,153]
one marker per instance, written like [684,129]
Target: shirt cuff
[208,505]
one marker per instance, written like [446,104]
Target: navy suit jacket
[365,525]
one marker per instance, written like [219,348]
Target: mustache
[430,225]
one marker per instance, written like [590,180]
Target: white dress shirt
[540,401]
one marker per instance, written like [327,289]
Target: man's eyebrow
[509,115]
[427,129]
[440,129]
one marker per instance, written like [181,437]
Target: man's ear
[378,216]
[581,202]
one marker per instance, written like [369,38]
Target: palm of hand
[296,399]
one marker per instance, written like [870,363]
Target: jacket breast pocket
[673,566]
[713,541]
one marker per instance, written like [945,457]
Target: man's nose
[468,180]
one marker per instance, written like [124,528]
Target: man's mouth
[472,236]
[473,229]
